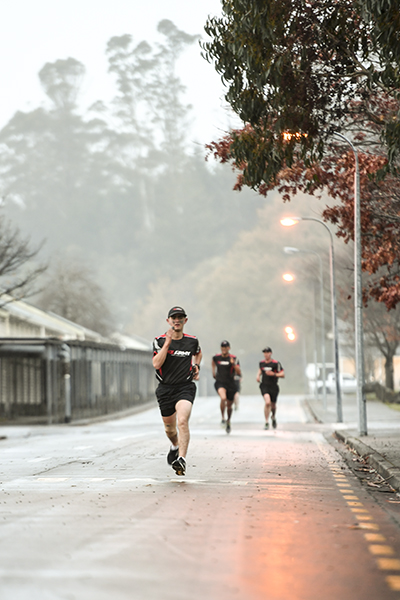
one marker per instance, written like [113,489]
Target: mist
[120,188]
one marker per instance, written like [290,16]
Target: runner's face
[225,350]
[267,356]
[177,322]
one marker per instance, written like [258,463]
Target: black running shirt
[225,370]
[177,368]
[275,367]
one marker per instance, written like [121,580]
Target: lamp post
[288,222]
[360,375]
[291,251]
[290,278]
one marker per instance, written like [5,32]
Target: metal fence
[54,382]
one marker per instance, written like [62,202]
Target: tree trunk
[389,372]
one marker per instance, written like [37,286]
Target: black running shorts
[272,391]
[230,389]
[169,395]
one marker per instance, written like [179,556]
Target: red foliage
[334,174]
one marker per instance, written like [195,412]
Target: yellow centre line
[380,549]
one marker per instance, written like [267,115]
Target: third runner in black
[268,373]
[224,368]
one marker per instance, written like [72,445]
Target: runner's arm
[196,363]
[238,370]
[159,358]
[213,367]
[258,375]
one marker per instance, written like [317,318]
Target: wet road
[94,512]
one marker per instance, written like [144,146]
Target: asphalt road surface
[94,512]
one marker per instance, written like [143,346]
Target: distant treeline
[118,184]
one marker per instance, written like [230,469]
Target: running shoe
[223,423]
[179,466]
[228,427]
[273,422]
[172,455]
[266,426]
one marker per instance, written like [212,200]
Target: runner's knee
[170,429]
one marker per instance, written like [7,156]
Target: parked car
[348,383]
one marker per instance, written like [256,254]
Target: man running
[268,373]
[224,368]
[176,358]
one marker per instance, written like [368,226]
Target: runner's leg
[183,410]
[222,394]
[170,429]
[229,404]
[267,407]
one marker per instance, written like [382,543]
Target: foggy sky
[33,33]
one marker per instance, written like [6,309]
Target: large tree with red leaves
[296,72]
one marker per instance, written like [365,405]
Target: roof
[54,325]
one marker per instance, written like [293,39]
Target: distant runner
[224,368]
[176,358]
[268,373]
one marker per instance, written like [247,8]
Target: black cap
[225,343]
[176,310]
[267,349]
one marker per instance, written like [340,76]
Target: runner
[224,368]
[268,373]
[176,358]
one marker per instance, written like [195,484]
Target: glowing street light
[293,252]
[288,277]
[289,222]
[290,334]
[287,136]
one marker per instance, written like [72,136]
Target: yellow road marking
[394,582]
[350,497]
[359,510]
[381,549]
[389,564]
[368,526]
[364,517]
[351,503]
[374,537]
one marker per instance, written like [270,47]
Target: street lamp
[289,222]
[292,251]
[290,334]
[290,278]
[361,401]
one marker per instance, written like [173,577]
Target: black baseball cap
[176,310]
[225,343]
[267,349]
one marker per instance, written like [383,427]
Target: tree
[18,271]
[151,119]
[52,161]
[307,68]
[71,291]
[334,175]
[296,73]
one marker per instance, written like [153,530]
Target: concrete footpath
[380,447]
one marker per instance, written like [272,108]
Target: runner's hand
[168,334]
[196,373]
